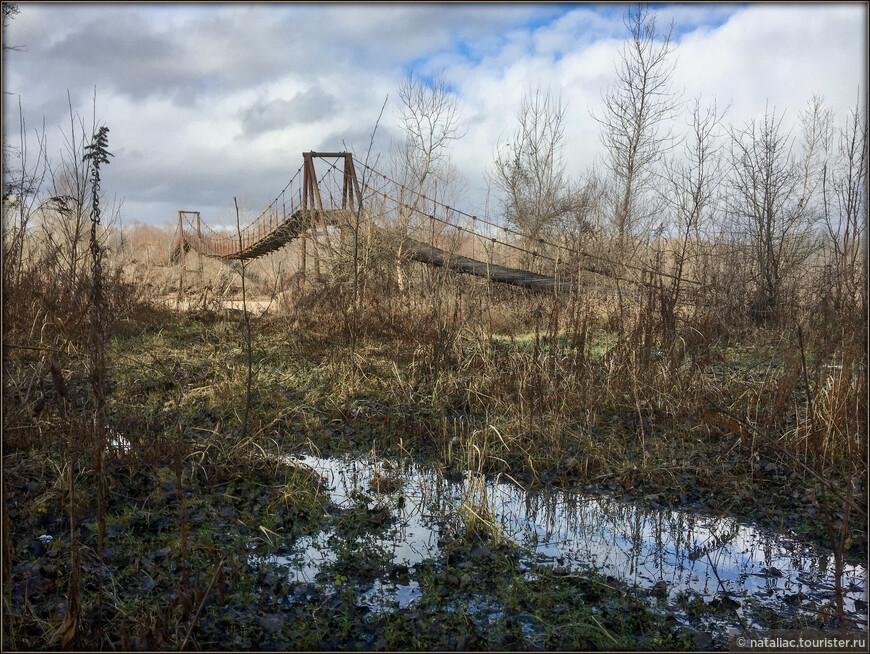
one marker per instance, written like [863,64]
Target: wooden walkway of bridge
[296,211]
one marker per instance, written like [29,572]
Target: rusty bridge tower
[312,200]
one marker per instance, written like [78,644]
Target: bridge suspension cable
[269,230]
[509,230]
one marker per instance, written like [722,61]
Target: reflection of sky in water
[684,549]
[116,442]
[639,545]
[413,537]
[384,595]
[312,552]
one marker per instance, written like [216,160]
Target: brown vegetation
[727,340]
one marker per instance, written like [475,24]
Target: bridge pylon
[311,190]
[312,202]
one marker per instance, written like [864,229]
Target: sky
[205,102]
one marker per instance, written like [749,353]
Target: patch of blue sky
[472,50]
[546,14]
[469,52]
[423,65]
[596,22]
[428,74]
[689,18]
[461,53]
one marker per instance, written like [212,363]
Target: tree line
[767,218]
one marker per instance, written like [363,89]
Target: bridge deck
[433,256]
[295,224]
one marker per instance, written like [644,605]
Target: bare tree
[67,211]
[634,122]
[694,179]
[816,129]
[770,192]
[530,173]
[844,199]
[816,126]
[10,10]
[428,114]
[21,184]
[583,209]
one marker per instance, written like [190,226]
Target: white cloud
[778,55]
[746,57]
[206,102]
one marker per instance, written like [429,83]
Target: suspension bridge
[432,232]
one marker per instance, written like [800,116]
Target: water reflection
[691,553]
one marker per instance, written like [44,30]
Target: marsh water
[666,553]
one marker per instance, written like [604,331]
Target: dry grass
[568,388]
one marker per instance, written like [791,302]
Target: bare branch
[637,110]
[529,170]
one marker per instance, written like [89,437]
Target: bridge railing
[404,212]
[207,240]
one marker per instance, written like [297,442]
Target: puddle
[116,443]
[312,552]
[691,553]
[385,595]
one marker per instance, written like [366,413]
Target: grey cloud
[356,139]
[192,187]
[127,51]
[307,106]
[142,52]
[135,64]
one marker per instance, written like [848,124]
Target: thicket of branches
[766,218]
[48,205]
